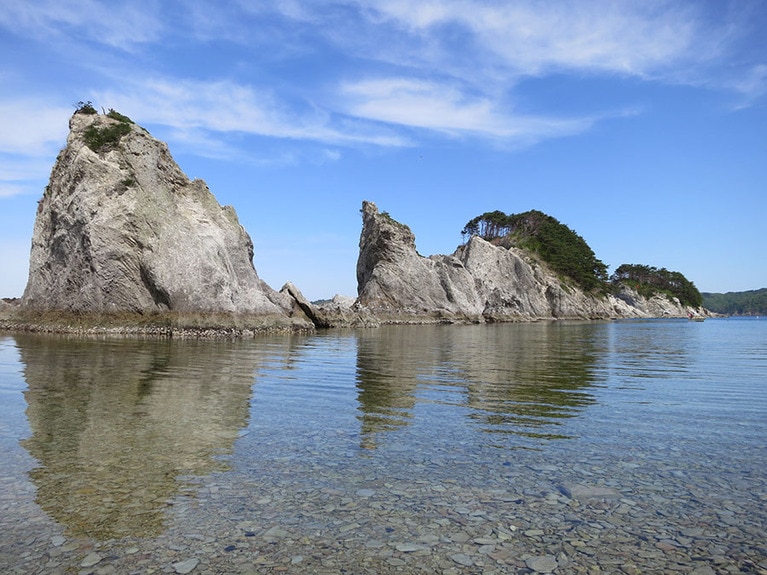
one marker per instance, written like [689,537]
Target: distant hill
[753,302]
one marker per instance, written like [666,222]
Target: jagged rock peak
[121,228]
[382,239]
[396,283]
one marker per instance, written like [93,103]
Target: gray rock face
[479,282]
[122,229]
[393,280]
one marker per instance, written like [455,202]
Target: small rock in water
[186,566]
[276,532]
[58,540]
[408,547]
[366,492]
[90,560]
[582,492]
[542,563]
[462,559]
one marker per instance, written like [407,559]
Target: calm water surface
[623,447]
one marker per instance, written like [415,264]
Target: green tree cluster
[568,254]
[561,248]
[752,302]
[649,280]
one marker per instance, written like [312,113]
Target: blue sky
[642,125]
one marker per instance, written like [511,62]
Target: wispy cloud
[9,190]
[42,127]
[531,38]
[752,86]
[121,25]
[392,69]
[444,108]
[31,136]
[226,106]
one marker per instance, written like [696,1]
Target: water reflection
[514,379]
[388,361]
[117,424]
[648,353]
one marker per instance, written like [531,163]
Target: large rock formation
[120,228]
[478,282]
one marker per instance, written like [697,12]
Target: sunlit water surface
[623,447]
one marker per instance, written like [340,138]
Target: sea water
[617,447]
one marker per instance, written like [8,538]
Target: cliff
[121,229]
[479,282]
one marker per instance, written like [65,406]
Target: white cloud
[225,106]
[10,190]
[448,67]
[526,37]
[444,108]
[32,136]
[32,127]
[121,25]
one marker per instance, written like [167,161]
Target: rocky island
[480,282]
[123,235]
[125,242]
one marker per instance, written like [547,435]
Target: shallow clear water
[627,447]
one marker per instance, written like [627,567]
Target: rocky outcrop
[121,229]
[395,283]
[479,282]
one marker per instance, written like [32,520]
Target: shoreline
[217,325]
[214,325]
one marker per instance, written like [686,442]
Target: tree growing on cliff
[85,108]
[561,248]
[649,280]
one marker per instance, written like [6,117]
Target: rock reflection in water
[388,362]
[517,380]
[542,376]
[117,424]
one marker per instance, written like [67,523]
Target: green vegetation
[648,281]
[115,115]
[104,138]
[391,220]
[85,108]
[561,248]
[752,302]
[568,254]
